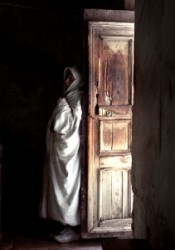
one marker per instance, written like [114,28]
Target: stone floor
[36,238]
[31,242]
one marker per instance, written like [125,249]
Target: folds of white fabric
[60,199]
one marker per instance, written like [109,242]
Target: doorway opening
[110,64]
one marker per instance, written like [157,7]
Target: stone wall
[153,172]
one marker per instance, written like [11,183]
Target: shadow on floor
[36,238]
[125,244]
[27,242]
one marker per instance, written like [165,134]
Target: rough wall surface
[153,172]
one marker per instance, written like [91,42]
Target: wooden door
[109,202]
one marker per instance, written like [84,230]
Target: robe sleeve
[63,119]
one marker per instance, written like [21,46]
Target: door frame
[101,16]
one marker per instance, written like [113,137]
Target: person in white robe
[62,170]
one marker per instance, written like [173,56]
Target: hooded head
[73,70]
[75,81]
[68,79]
[72,91]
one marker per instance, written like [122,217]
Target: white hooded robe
[61,187]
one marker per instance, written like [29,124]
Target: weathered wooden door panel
[115,136]
[115,55]
[113,194]
[110,127]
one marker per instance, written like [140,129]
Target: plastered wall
[153,173]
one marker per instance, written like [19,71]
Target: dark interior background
[37,40]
